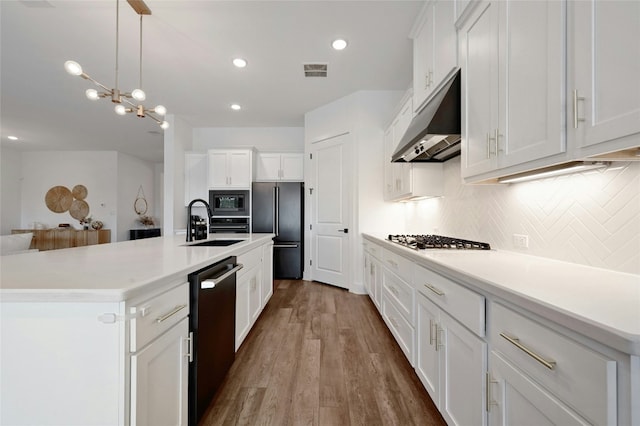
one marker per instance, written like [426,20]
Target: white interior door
[331,211]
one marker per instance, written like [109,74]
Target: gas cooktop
[420,242]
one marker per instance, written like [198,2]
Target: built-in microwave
[229,203]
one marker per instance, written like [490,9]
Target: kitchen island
[99,334]
[509,330]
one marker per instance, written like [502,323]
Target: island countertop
[111,272]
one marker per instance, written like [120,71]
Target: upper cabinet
[513,84]
[230,168]
[271,166]
[603,93]
[434,49]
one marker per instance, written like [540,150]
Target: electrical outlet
[521,241]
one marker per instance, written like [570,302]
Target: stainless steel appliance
[277,207]
[229,202]
[212,322]
[428,241]
[434,133]
[229,224]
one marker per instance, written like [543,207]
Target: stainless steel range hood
[434,134]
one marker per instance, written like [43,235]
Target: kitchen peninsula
[99,334]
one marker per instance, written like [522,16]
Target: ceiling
[188,47]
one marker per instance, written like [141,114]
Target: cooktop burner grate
[420,242]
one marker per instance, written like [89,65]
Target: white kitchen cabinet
[272,166]
[195,177]
[267,275]
[603,92]
[159,379]
[515,399]
[230,168]
[451,364]
[435,49]
[513,85]
[575,375]
[249,303]
[373,272]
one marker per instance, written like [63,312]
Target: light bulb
[164,125]
[160,110]
[239,62]
[236,107]
[138,95]
[339,44]
[120,110]
[92,94]
[73,68]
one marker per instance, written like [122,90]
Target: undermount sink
[216,243]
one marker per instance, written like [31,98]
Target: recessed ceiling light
[239,62]
[339,44]
[236,107]
[13,138]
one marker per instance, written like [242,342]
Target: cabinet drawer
[374,249]
[399,265]
[403,332]
[582,378]
[401,292]
[466,306]
[157,315]
[249,260]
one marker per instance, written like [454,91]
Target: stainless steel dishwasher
[212,322]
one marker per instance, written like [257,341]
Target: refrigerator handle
[273,210]
[276,230]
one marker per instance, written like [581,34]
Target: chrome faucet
[189,237]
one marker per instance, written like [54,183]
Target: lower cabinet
[451,364]
[249,284]
[159,379]
[515,399]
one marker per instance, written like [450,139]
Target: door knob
[345,230]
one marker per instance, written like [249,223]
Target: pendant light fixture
[118,97]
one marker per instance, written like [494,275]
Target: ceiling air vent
[315,70]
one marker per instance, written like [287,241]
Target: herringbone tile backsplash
[591,218]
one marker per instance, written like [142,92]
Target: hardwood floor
[319,355]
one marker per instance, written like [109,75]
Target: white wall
[267,139]
[177,140]
[10,189]
[591,218]
[132,173]
[111,178]
[96,170]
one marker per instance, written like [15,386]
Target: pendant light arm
[117,38]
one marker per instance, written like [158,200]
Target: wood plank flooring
[319,355]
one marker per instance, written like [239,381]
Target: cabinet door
[389,183]
[255,285]
[532,81]
[462,369]
[292,167]
[605,59]
[423,59]
[377,282]
[239,169]
[159,380]
[243,309]
[195,177]
[479,44]
[514,399]
[218,169]
[268,167]
[427,356]
[445,41]
[267,276]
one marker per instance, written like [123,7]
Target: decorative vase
[97,225]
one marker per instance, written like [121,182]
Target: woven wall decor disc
[58,199]
[79,192]
[79,209]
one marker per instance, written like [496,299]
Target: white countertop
[601,304]
[111,272]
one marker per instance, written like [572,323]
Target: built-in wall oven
[230,211]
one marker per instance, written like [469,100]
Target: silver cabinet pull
[439,331]
[431,338]
[170,313]
[392,263]
[189,353]
[576,98]
[490,400]
[550,364]
[436,290]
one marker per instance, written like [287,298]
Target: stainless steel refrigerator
[278,207]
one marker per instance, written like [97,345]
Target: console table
[58,238]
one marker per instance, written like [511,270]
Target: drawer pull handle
[436,290]
[392,263]
[394,291]
[551,365]
[170,314]
[431,338]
